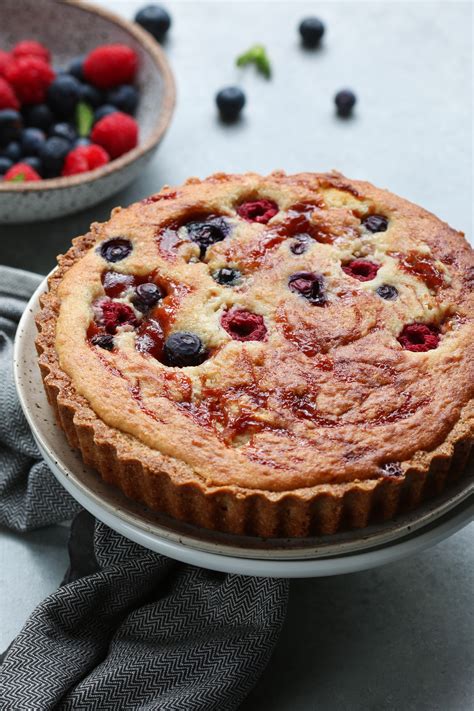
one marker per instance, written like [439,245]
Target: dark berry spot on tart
[146,296]
[387,292]
[300,244]
[392,469]
[243,325]
[361,269]
[260,211]
[375,223]
[208,232]
[308,285]
[115,283]
[419,337]
[227,276]
[115,249]
[150,338]
[103,340]
[116,314]
[183,348]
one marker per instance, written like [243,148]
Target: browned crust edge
[314,511]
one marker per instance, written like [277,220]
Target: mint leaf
[84,119]
[256,55]
[18,178]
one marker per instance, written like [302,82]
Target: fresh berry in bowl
[85,99]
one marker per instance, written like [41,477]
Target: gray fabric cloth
[30,496]
[129,629]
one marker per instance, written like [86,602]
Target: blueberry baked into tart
[272,356]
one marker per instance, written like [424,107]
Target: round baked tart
[272,356]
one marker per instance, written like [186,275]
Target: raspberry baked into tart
[271,356]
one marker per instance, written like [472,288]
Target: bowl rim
[164,117]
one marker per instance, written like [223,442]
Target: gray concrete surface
[400,637]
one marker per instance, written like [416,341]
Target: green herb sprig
[84,119]
[258,56]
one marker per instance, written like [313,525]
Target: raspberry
[117,133]
[30,78]
[8,99]
[361,269]
[110,65]
[5,60]
[419,337]
[31,48]
[243,325]
[258,211]
[84,158]
[115,314]
[21,169]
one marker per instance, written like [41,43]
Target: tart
[278,356]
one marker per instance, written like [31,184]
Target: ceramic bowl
[70,28]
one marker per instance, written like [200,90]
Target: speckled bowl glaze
[70,28]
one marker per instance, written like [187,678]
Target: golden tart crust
[328,420]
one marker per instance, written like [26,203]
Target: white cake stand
[326,555]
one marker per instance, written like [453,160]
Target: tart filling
[289,335]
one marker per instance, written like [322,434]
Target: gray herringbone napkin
[128,629]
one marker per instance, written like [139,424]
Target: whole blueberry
[146,295]
[183,348]
[52,155]
[345,101]
[39,116]
[115,249]
[12,151]
[375,223]
[63,94]
[230,102]
[311,30]
[155,19]
[63,130]
[387,292]
[5,164]
[208,232]
[82,141]
[227,276]
[103,111]
[34,162]
[75,67]
[91,95]
[32,139]
[124,97]
[11,124]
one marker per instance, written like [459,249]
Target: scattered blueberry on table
[311,30]
[155,19]
[230,102]
[345,101]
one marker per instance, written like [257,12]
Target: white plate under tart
[309,557]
